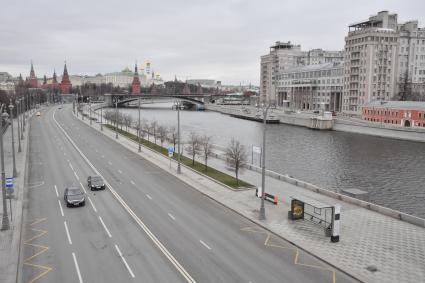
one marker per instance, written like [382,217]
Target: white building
[312,87]
[5,76]
[284,56]
[9,87]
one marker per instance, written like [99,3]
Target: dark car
[95,183]
[74,196]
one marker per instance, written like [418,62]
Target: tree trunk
[206,164]
[193,159]
[237,179]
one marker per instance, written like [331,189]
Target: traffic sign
[256,149]
[9,182]
[170,151]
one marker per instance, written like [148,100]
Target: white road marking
[83,188]
[56,190]
[92,204]
[77,268]
[70,165]
[106,228]
[172,216]
[132,182]
[67,233]
[205,245]
[148,196]
[142,225]
[119,171]
[76,176]
[60,206]
[125,262]
[109,162]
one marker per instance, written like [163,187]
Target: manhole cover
[372,268]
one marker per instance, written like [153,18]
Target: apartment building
[371,56]
[411,59]
[312,87]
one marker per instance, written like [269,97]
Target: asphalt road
[148,226]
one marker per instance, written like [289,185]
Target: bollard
[336,225]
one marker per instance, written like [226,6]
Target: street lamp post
[101,118]
[5,220]
[138,128]
[77,104]
[116,117]
[11,107]
[263,165]
[179,170]
[90,109]
[22,118]
[19,127]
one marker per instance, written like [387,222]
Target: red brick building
[65,85]
[135,85]
[401,113]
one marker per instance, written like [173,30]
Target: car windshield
[74,192]
[96,180]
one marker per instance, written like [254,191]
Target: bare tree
[206,147]
[173,137]
[146,128]
[154,126]
[236,156]
[193,146]
[128,119]
[162,134]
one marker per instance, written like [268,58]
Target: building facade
[371,55]
[312,87]
[401,113]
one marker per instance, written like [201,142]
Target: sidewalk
[10,239]
[368,239]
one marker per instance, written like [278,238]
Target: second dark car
[74,196]
[95,183]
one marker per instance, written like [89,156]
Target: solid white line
[60,206]
[77,268]
[70,165]
[132,182]
[205,245]
[56,190]
[148,196]
[67,233]
[125,262]
[171,216]
[142,225]
[94,208]
[104,226]
[119,171]
[84,189]
[76,176]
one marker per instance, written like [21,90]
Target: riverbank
[373,247]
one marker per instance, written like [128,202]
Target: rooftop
[398,104]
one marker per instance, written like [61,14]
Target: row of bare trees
[196,145]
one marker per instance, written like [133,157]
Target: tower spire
[135,85]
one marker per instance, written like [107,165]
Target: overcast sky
[215,39]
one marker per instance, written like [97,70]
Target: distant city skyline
[220,40]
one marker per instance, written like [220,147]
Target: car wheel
[83,203]
[67,205]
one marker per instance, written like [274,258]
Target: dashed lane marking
[92,205]
[106,228]
[132,182]
[148,196]
[84,189]
[76,176]
[67,233]
[77,268]
[60,206]
[205,245]
[56,190]
[125,262]
[172,216]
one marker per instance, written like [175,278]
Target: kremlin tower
[135,85]
[32,80]
[65,85]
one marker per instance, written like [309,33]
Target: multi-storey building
[312,87]
[5,77]
[282,56]
[411,60]
[371,55]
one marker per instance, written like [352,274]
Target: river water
[392,171]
